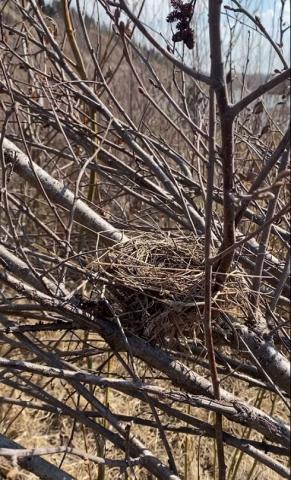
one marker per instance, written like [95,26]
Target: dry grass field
[144,245]
[43,429]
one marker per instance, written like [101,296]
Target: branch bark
[59,194]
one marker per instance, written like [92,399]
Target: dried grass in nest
[158,283]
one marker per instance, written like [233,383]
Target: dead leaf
[258,108]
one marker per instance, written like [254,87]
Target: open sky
[263,57]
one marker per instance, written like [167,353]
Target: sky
[263,57]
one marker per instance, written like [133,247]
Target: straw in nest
[157,283]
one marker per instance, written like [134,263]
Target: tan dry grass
[40,429]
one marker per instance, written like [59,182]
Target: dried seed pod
[185,36]
[182,14]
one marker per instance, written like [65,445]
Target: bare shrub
[144,256]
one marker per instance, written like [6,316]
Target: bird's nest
[157,285]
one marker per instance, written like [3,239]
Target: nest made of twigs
[157,284]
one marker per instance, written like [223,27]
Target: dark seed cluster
[182,14]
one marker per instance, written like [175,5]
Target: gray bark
[60,194]
[273,362]
[40,467]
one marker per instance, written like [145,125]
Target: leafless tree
[144,248]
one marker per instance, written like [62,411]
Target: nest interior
[157,283]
